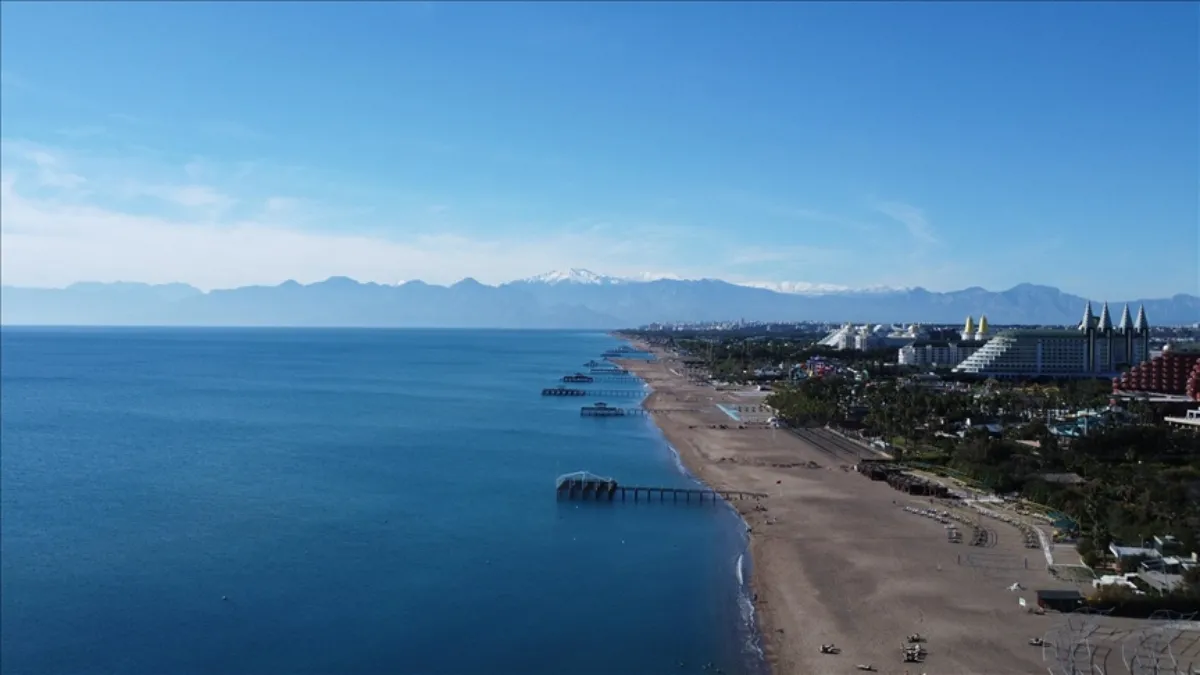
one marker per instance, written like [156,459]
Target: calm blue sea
[365,501]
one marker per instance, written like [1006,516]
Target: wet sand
[837,559]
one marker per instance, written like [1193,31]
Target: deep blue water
[368,501]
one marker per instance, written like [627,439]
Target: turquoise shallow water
[367,502]
[733,414]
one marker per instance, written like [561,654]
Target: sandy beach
[836,557]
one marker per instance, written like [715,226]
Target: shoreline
[762,632]
[831,555]
[744,566]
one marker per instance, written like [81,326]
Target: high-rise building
[936,353]
[1094,348]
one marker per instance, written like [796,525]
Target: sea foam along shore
[835,557]
[690,465]
[743,570]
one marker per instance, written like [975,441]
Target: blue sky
[944,145]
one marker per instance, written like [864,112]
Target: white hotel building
[946,353]
[1095,349]
[867,337]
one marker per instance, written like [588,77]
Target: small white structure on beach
[1118,580]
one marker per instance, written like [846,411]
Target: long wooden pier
[602,410]
[596,411]
[583,486]
[598,393]
[615,377]
[580,378]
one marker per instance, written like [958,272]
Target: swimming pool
[729,411]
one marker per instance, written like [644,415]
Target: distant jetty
[605,410]
[579,378]
[606,393]
[624,352]
[582,485]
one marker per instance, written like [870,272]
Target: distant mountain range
[570,299]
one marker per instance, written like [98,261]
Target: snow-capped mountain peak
[575,275]
[809,288]
[585,277]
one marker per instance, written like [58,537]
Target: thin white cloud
[51,174]
[87,131]
[126,118]
[800,214]
[220,225]
[48,243]
[282,205]
[232,130]
[751,255]
[188,196]
[45,166]
[913,219]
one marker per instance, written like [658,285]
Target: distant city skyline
[795,146]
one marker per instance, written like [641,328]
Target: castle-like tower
[982,333]
[972,331]
[1109,349]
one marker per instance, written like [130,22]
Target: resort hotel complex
[927,353]
[866,337]
[1094,348]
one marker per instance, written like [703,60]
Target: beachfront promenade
[582,485]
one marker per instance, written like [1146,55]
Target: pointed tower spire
[1140,324]
[983,324]
[1126,323]
[1105,320]
[1088,317]
[970,327]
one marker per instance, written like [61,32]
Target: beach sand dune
[837,559]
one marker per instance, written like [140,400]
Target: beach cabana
[1059,600]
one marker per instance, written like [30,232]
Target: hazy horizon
[583,302]
[782,287]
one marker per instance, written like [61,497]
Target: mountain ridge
[576,298]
